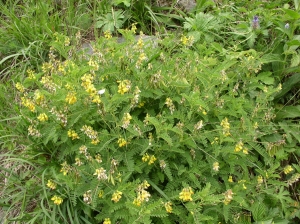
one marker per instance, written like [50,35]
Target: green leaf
[288,112]
[288,85]
[258,210]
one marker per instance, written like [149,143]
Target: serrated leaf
[258,211]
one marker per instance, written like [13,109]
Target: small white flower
[101,91]
[287,25]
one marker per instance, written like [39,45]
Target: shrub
[157,133]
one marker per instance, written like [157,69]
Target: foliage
[114,125]
[201,127]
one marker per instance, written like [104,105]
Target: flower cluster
[31,74]
[117,195]
[287,169]
[186,194]
[87,84]
[199,125]
[20,87]
[71,98]
[107,221]
[57,200]
[168,207]
[142,194]
[142,57]
[92,134]
[65,168]
[135,99]
[260,180]
[32,131]
[124,86]
[240,146]
[187,41]
[78,162]
[28,103]
[170,105]
[48,83]
[126,120]
[87,197]
[228,196]
[42,117]
[51,184]
[147,158]
[72,134]
[226,127]
[60,115]
[101,174]
[122,142]
[216,166]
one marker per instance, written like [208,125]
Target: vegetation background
[178,111]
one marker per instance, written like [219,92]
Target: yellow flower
[96,99]
[116,196]
[57,200]
[30,74]
[238,146]
[20,87]
[65,168]
[152,160]
[230,179]
[216,166]
[186,194]
[108,36]
[51,184]
[122,142]
[228,196]
[124,86]
[226,127]
[107,221]
[126,120]
[42,117]
[101,174]
[72,134]
[288,169]
[260,179]
[101,193]
[145,157]
[168,207]
[71,98]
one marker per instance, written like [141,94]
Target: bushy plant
[142,132]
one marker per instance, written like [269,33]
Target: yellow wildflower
[51,184]
[71,98]
[42,117]
[152,160]
[216,166]
[238,146]
[116,196]
[230,179]
[226,127]
[57,200]
[145,157]
[122,142]
[288,169]
[20,87]
[228,196]
[260,180]
[72,134]
[108,36]
[186,194]
[168,207]
[65,168]
[124,86]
